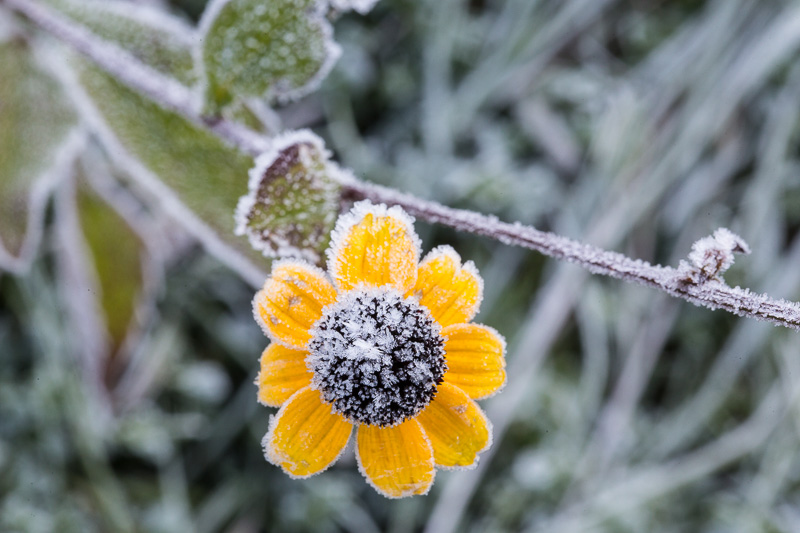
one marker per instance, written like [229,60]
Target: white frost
[274,245]
[361,6]
[713,255]
[360,210]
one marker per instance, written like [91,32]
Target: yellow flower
[383,344]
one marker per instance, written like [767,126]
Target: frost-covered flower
[381,342]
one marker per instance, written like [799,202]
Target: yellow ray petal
[475,359]
[456,426]
[291,301]
[397,461]
[305,437]
[452,292]
[283,372]
[374,245]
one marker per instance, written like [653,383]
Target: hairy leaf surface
[204,176]
[155,38]
[251,48]
[294,198]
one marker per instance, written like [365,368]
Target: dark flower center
[376,357]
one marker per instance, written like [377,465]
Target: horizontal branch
[684,282]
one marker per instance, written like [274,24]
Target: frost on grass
[293,200]
[361,6]
[250,48]
[376,357]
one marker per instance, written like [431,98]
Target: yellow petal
[291,301]
[397,461]
[305,437]
[456,426]
[374,245]
[283,372]
[452,292]
[475,359]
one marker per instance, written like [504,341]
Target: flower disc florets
[376,357]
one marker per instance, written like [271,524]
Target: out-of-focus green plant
[127,347]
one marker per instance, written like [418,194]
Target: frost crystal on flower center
[376,357]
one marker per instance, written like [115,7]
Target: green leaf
[294,198]
[204,176]
[35,120]
[117,254]
[280,49]
[161,41]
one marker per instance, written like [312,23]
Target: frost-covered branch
[697,282]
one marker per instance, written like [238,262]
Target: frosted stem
[682,282]
[693,285]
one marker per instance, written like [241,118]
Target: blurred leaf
[204,174]
[293,200]
[278,49]
[117,253]
[34,122]
[155,38]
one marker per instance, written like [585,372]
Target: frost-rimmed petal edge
[359,256]
[490,354]
[390,434]
[445,422]
[291,335]
[453,292]
[314,407]
[282,373]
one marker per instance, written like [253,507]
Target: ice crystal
[376,357]
[713,255]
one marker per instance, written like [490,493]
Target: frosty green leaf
[293,200]
[35,120]
[203,176]
[250,48]
[155,38]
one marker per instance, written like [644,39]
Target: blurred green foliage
[34,121]
[638,126]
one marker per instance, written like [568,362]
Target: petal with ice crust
[306,437]
[374,245]
[452,292]
[397,461]
[291,301]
